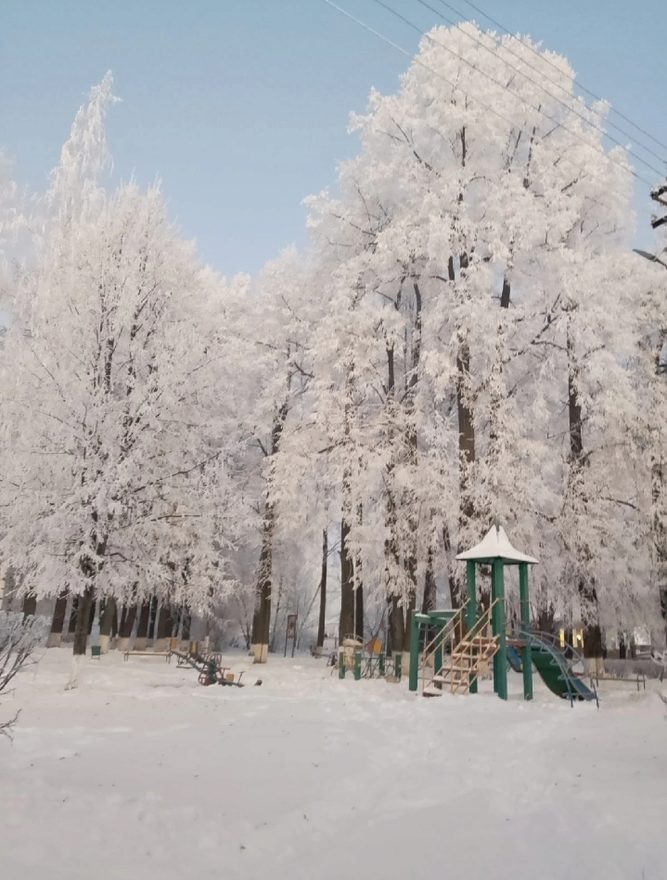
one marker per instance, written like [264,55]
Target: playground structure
[367,661]
[555,669]
[210,668]
[451,649]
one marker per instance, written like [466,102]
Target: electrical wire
[583,88]
[516,96]
[512,124]
[610,123]
[416,60]
[420,63]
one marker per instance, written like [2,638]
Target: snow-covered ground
[141,773]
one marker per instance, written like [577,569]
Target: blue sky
[241,107]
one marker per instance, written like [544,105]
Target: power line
[416,60]
[581,85]
[419,62]
[517,97]
[550,80]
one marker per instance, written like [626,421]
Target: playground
[326,768]
[309,776]
[451,649]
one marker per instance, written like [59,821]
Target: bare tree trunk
[395,627]
[165,623]
[261,621]
[126,625]
[587,592]
[58,620]
[466,428]
[71,625]
[187,624]
[659,521]
[142,625]
[409,611]
[29,605]
[274,628]
[395,621]
[165,627]
[346,623]
[412,457]
[245,620]
[321,623]
[82,626]
[430,588]
[359,611]
[359,588]
[152,618]
[466,423]
[546,619]
[454,591]
[127,619]
[9,589]
[107,623]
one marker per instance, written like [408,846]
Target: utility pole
[659,195]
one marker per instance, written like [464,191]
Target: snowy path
[141,773]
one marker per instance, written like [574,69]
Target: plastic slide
[553,667]
[514,658]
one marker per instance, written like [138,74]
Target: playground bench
[639,679]
[165,654]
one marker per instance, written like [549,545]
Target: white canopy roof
[496,545]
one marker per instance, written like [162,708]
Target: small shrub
[19,637]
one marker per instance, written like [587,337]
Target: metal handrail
[481,623]
[552,644]
[440,637]
[485,619]
[555,641]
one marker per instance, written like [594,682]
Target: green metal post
[381,662]
[498,626]
[437,656]
[398,661]
[413,675]
[341,664]
[471,610]
[526,652]
[357,665]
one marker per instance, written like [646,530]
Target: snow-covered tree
[272,323]
[116,483]
[474,266]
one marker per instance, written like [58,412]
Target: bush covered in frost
[19,637]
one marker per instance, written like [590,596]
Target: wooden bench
[165,654]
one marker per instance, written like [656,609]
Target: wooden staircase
[467,659]
[443,641]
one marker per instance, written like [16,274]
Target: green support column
[357,665]
[498,626]
[413,675]
[471,609]
[526,652]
